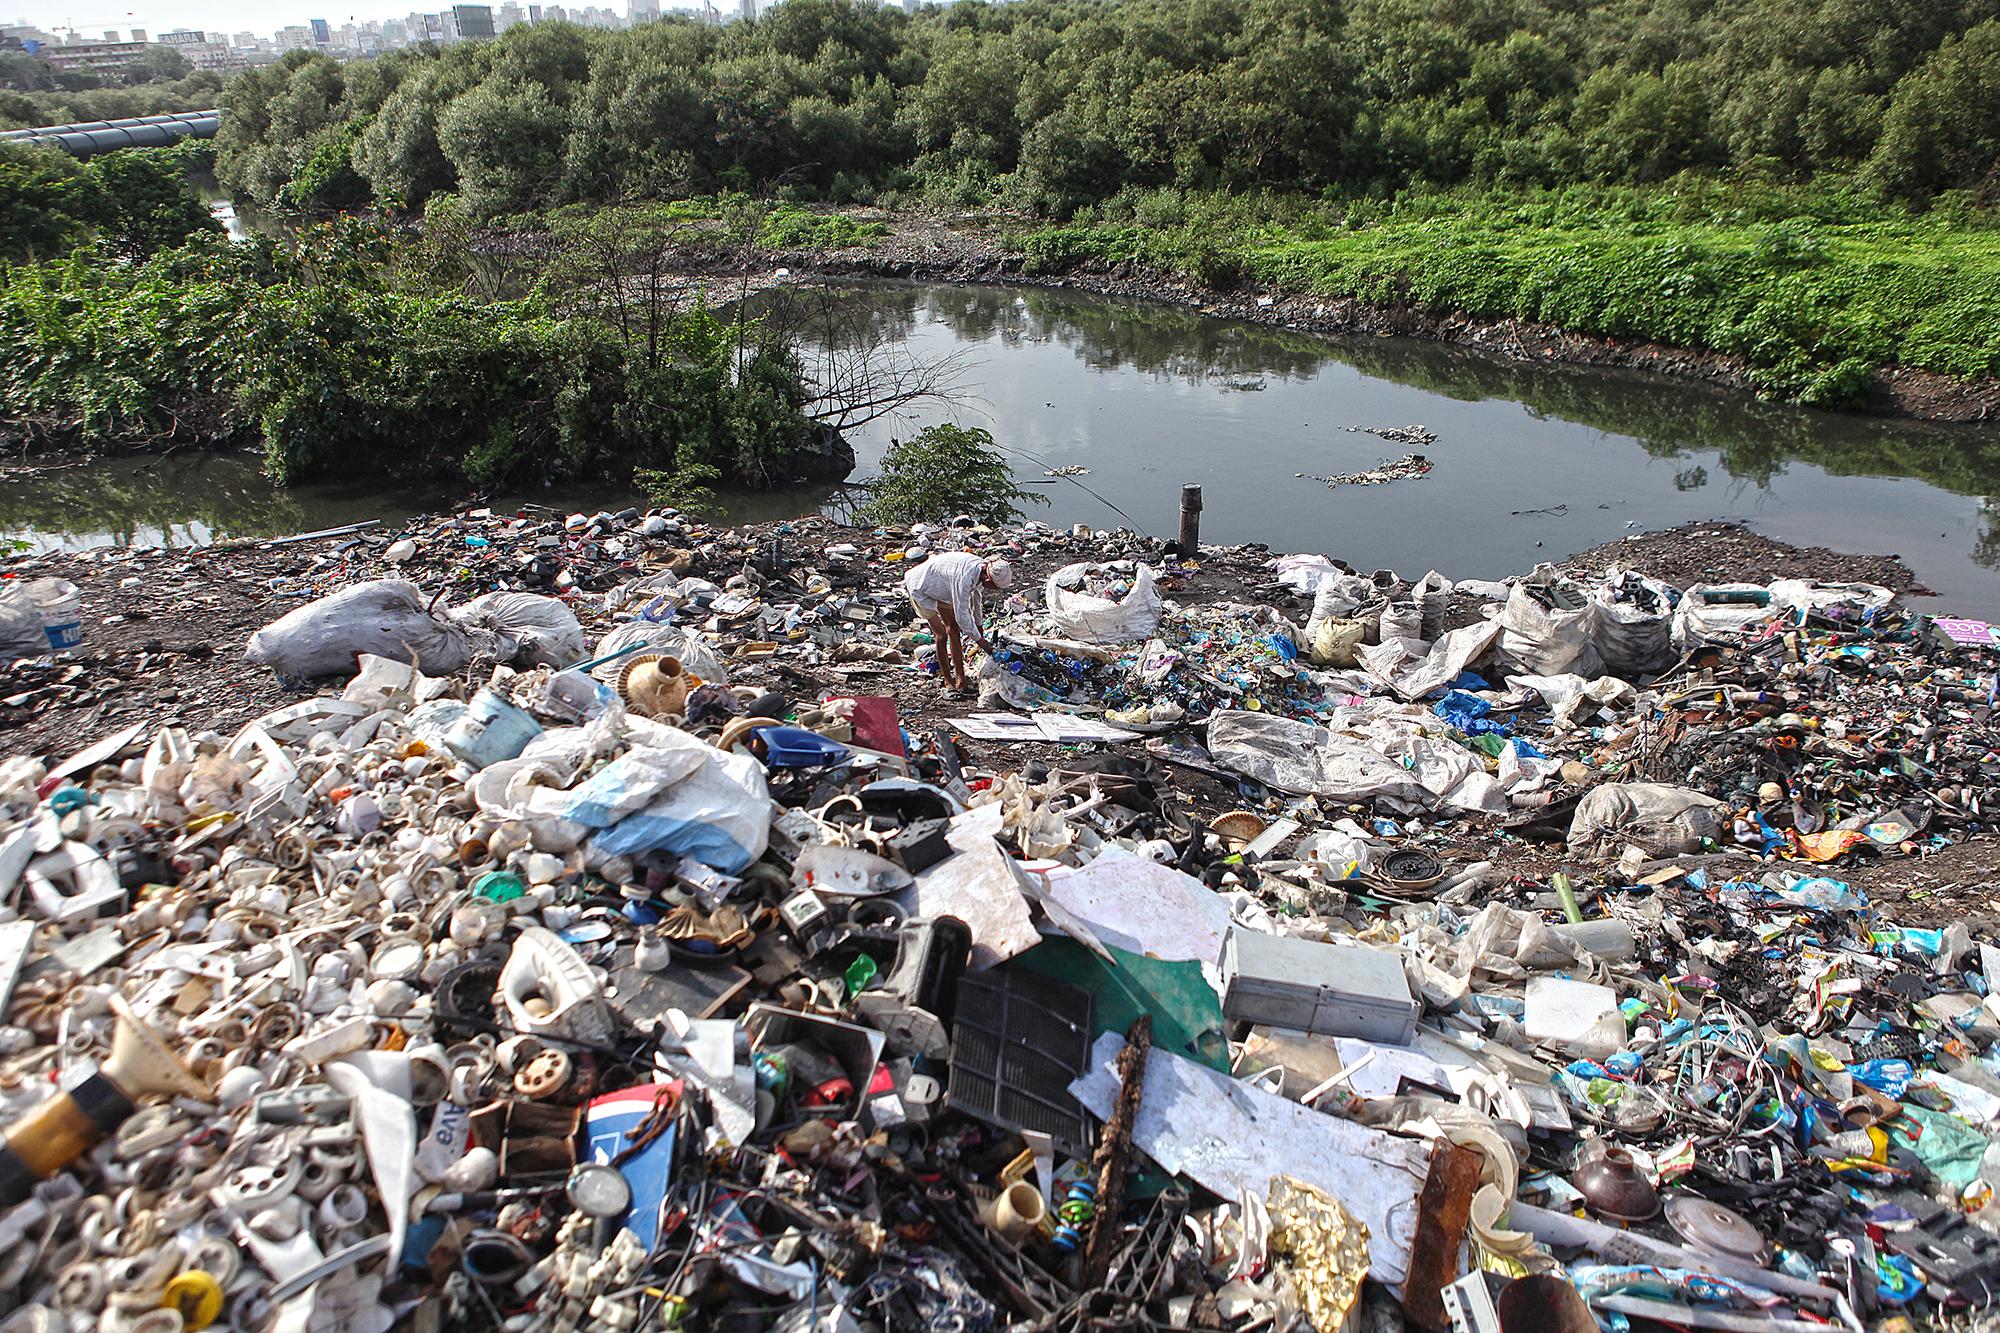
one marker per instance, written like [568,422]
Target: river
[1531,462]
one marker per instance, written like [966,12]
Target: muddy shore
[165,628]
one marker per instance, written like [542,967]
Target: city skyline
[221,19]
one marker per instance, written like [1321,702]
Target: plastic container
[490,730]
[62,612]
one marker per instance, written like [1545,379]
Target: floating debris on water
[1073,470]
[1390,469]
[1419,434]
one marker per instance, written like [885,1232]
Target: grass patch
[1812,298]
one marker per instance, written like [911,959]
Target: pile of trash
[602,948]
[1389,469]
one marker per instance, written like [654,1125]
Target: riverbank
[165,631]
[165,628]
[1272,283]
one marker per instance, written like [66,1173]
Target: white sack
[1544,641]
[386,617]
[532,630]
[1659,819]
[1099,619]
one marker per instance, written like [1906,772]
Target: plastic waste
[530,630]
[39,616]
[1549,627]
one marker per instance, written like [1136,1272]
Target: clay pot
[654,685]
[1614,1188]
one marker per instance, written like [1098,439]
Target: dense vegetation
[348,356]
[1052,104]
[1812,291]
[945,470]
[132,202]
[160,81]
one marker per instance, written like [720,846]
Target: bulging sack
[1548,627]
[1635,624]
[533,630]
[1078,615]
[386,617]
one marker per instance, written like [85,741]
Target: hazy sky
[91,17]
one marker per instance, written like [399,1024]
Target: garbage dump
[610,924]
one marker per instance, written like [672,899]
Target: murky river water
[1531,462]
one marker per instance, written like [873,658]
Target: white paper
[1145,908]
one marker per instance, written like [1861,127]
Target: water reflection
[1533,461]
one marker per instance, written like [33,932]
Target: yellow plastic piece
[197,1295]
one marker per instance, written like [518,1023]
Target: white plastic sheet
[1234,1139]
[1145,908]
[1413,672]
[1387,753]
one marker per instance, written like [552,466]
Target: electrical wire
[1050,467]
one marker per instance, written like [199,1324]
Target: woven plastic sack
[533,630]
[386,617]
[1550,640]
[1078,615]
[1635,624]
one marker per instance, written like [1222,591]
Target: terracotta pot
[1614,1188]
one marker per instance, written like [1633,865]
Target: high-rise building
[295,37]
[322,35]
[473,22]
[747,10]
[644,11]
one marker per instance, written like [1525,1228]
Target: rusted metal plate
[1444,1208]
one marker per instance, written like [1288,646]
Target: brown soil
[1719,551]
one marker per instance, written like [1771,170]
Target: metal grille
[1019,1042]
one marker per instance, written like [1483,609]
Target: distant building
[92,56]
[180,37]
[213,55]
[466,23]
[747,10]
[508,15]
[138,34]
[296,37]
[322,35]
[644,11]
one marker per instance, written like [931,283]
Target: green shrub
[945,470]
